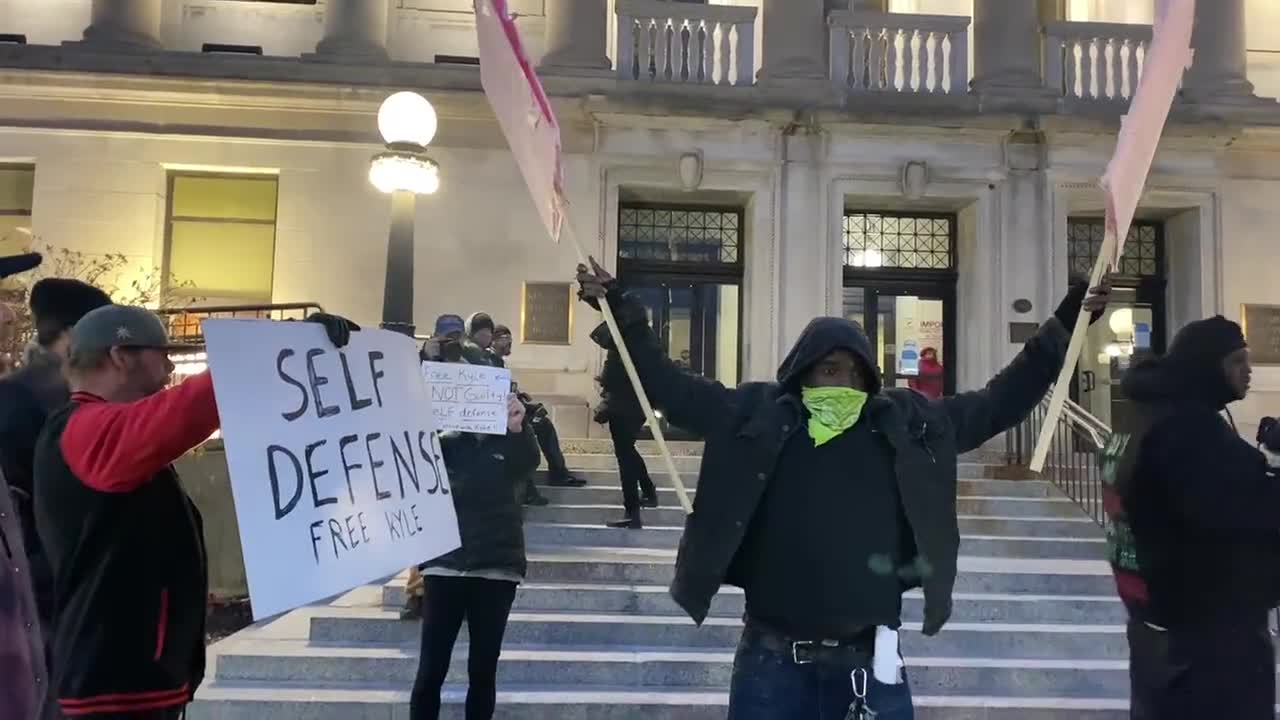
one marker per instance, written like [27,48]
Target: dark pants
[485,605]
[549,443]
[633,474]
[1189,674]
[769,685]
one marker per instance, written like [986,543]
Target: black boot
[533,498]
[566,479]
[650,499]
[630,522]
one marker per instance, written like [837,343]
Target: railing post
[627,37]
[841,59]
[745,52]
[959,62]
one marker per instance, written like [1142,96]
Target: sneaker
[412,609]
[631,522]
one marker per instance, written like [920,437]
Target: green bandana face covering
[832,410]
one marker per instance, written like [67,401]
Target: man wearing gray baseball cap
[125,541]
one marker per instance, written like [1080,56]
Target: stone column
[1006,45]
[1219,70]
[795,41]
[577,36]
[124,24]
[354,30]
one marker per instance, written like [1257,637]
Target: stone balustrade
[665,42]
[1095,61]
[898,52]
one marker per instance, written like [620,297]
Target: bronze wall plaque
[1262,332]
[546,313]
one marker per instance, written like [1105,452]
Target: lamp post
[407,123]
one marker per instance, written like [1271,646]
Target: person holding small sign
[478,581]
[124,539]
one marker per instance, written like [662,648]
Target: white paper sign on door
[468,398]
[335,465]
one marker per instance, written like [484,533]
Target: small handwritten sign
[1262,332]
[337,472]
[468,398]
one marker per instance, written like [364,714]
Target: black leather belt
[848,654]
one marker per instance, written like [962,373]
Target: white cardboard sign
[335,464]
[468,398]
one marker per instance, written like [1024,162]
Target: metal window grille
[1143,250]
[680,234]
[899,240]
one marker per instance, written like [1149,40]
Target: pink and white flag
[1168,56]
[522,108]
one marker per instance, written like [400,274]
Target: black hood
[822,337]
[1192,370]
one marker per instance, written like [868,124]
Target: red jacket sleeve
[117,447]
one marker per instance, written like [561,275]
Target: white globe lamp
[408,118]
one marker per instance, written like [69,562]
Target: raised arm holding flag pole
[1166,59]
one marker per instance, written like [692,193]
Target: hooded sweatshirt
[1195,509]
[843,496]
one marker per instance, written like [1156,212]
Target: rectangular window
[916,241]
[222,236]
[17,184]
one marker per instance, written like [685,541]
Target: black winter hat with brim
[64,301]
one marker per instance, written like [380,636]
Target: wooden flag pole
[1059,398]
[629,364]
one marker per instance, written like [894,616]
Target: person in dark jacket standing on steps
[1195,535]
[25,686]
[825,497]
[28,396]
[478,581]
[125,542]
[620,410]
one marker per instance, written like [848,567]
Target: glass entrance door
[912,332]
[698,324]
[1127,334]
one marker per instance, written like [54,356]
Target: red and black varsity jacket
[127,549]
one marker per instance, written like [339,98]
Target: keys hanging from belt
[858,709]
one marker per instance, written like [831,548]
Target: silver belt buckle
[795,651]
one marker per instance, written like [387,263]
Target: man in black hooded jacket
[1195,535]
[825,497]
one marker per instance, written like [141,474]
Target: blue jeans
[769,685]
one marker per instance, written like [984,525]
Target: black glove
[1069,310]
[1269,434]
[338,329]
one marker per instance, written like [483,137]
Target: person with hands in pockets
[826,496]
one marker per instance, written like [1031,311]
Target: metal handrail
[183,324]
[1073,464]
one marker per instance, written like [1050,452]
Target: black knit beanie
[1206,341]
[57,304]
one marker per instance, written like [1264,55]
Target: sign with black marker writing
[468,398]
[335,464]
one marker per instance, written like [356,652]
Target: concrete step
[672,516]
[687,466]
[977,574]
[556,534]
[730,603]
[1081,527]
[291,662]
[604,488]
[363,626]
[262,701]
